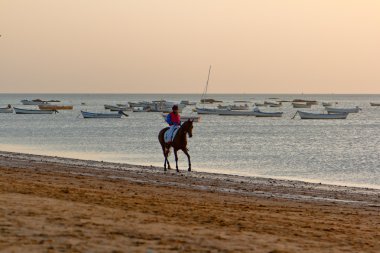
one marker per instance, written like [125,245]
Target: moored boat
[301,105]
[141,109]
[374,104]
[55,107]
[117,108]
[34,102]
[210,101]
[312,102]
[342,110]
[7,109]
[261,114]
[210,111]
[239,107]
[186,118]
[33,111]
[94,115]
[272,104]
[255,112]
[324,104]
[309,115]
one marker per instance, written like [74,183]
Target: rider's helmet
[175,107]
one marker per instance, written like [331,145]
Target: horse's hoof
[177,170]
[189,169]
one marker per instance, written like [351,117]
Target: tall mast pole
[206,88]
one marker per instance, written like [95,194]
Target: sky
[166,46]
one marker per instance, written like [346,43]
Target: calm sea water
[345,152]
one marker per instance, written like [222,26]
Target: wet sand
[51,204]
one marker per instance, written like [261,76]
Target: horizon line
[190,93]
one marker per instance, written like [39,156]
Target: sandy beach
[51,204]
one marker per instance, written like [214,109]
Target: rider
[174,121]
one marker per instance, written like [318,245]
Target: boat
[309,115]
[342,110]
[7,109]
[255,112]
[301,105]
[260,104]
[141,109]
[210,101]
[237,113]
[325,104]
[187,103]
[272,104]
[116,108]
[186,118]
[94,115]
[261,114]
[242,101]
[210,111]
[165,106]
[33,111]
[374,104]
[34,102]
[312,102]
[239,107]
[225,107]
[55,107]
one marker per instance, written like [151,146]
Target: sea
[341,152]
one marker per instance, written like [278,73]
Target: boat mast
[206,88]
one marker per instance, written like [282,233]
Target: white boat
[260,104]
[272,104]
[343,110]
[94,115]
[259,113]
[114,108]
[7,109]
[34,102]
[187,102]
[33,111]
[237,113]
[186,118]
[141,109]
[374,104]
[255,112]
[210,111]
[309,115]
[301,105]
[311,102]
[239,107]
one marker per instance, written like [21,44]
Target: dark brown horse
[179,143]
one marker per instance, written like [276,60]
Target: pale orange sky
[162,46]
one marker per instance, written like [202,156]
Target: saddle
[171,133]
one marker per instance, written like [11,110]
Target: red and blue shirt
[173,119]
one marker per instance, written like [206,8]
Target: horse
[179,143]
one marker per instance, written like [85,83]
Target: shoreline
[54,204]
[11,149]
[279,188]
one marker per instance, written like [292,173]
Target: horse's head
[188,127]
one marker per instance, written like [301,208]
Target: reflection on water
[337,151]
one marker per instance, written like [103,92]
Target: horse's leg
[176,158]
[167,157]
[188,157]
